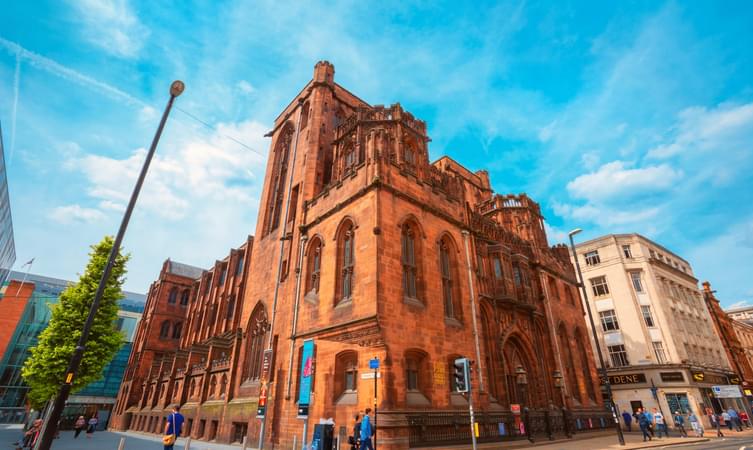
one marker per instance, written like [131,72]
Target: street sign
[726,391]
[370,375]
[262,406]
[374,364]
[266,362]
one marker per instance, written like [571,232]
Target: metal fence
[448,428]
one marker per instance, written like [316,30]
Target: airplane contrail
[62,71]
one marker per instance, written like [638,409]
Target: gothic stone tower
[370,250]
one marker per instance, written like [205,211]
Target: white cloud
[740,304]
[111,25]
[76,213]
[180,178]
[245,87]
[617,180]
[727,128]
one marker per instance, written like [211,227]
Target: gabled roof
[184,270]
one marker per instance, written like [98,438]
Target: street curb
[669,444]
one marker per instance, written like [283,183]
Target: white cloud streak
[55,68]
[76,214]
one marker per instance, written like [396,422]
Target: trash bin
[323,437]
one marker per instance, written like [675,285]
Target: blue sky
[616,116]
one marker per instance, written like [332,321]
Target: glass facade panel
[7,244]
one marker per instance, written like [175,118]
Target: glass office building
[7,245]
[99,396]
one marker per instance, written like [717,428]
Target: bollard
[188,444]
[121,445]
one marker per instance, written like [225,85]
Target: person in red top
[745,419]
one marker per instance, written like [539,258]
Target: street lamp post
[602,368]
[51,421]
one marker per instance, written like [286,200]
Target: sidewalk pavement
[602,441]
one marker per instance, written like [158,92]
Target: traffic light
[462,375]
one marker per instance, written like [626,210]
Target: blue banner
[306,373]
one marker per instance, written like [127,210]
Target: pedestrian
[660,424]
[32,434]
[650,418]
[643,422]
[366,431]
[716,423]
[79,426]
[744,418]
[695,424]
[735,418]
[356,437]
[680,424]
[173,427]
[727,419]
[628,419]
[92,426]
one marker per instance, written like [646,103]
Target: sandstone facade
[372,251]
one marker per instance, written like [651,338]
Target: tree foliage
[44,370]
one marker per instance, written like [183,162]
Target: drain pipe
[473,309]
[279,261]
[294,327]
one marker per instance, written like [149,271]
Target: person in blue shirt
[628,420]
[644,423]
[173,425]
[366,431]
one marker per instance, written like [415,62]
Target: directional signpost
[374,365]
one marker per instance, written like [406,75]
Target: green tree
[44,370]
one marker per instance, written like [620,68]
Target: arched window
[164,330]
[447,270]
[173,297]
[256,336]
[314,265]
[567,361]
[212,386]
[410,268]
[346,378]
[409,155]
[223,386]
[193,387]
[177,330]
[345,261]
[444,264]
[585,365]
[349,158]
[305,115]
[416,377]
[184,297]
[230,307]
[277,180]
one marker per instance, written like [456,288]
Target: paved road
[105,440]
[731,443]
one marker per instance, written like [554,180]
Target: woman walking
[695,424]
[92,426]
[79,426]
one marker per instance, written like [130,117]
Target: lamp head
[574,232]
[177,88]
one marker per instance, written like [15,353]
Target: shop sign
[726,391]
[699,377]
[734,379]
[748,392]
[630,378]
[672,376]
[716,379]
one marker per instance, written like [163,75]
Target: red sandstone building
[370,250]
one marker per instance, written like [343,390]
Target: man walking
[735,419]
[680,424]
[660,424]
[714,420]
[173,427]
[366,431]
[643,422]
[628,419]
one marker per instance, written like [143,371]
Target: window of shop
[678,402]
